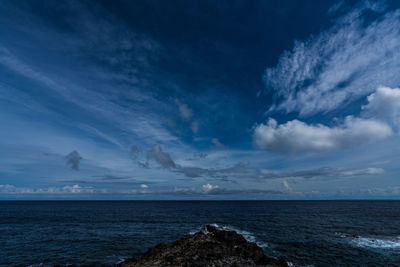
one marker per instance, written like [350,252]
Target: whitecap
[369,242]
[291,264]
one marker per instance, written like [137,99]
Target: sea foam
[377,243]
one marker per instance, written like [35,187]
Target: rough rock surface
[209,247]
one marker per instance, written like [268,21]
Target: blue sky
[199,99]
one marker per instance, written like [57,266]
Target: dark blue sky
[199,99]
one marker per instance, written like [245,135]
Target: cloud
[384,105]
[114,184]
[333,9]
[243,171]
[73,190]
[124,57]
[73,159]
[160,157]
[217,143]
[192,172]
[209,189]
[296,136]
[68,189]
[286,186]
[134,152]
[316,173]
[338,66]
[367,171]
[201,155]
[108,177]
[379,118]
[184,111]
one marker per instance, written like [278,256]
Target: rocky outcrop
[208,247]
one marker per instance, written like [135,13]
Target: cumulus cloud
[296,136]
[73,159]
[338,66]
[384,105]
[379,118]
[209,187]
[68,189]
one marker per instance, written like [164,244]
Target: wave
[247,235]
[377,243]
[372,242]
[291,264]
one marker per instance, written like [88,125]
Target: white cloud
[203,190]
[384,105]
[296,136]
[209,187]
[379,118]
[68,189]
[340,65]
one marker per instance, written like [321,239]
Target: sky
[168,100]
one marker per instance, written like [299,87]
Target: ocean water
[306,233]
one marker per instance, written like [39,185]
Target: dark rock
[209,247]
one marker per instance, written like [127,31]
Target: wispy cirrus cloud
[340,65]
[115,57]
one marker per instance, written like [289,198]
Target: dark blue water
[318,233]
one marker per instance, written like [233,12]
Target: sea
[93,233]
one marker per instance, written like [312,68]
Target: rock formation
[208,247]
